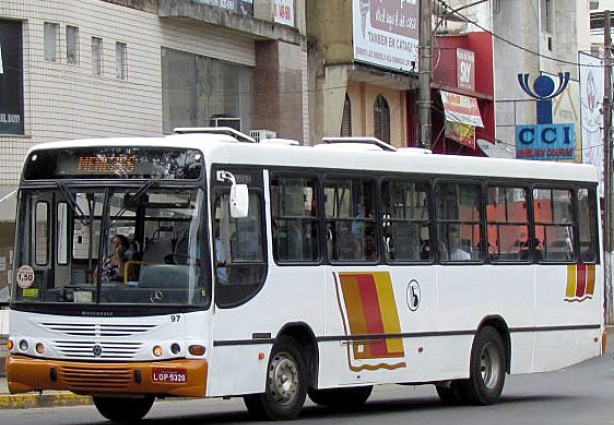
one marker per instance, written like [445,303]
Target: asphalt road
[580,395]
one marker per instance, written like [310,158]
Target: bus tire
[123,410]
[341,398]
[286,384]
[487,369]
[449,393]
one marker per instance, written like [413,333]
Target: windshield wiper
[144,188]
[72,203]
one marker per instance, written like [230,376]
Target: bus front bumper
[182,378]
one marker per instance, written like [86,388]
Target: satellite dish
[495,151]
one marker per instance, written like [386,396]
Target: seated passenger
[455,251]
[113,266]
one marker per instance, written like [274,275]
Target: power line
[518,46]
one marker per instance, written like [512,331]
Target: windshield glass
[137,245]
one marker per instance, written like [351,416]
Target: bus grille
[97,329]
[93,350]
[108,379]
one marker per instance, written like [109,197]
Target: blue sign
[545,140]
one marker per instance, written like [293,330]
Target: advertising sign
[283,12]
[386,33]
[11,78]
[545,140]
[465,69]
[461,133]
[461,109]
[591,105]
[245,7]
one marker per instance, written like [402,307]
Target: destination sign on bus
[133,163]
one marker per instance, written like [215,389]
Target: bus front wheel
[286,384]
[123,410]
[487,369]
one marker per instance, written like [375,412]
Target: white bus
[273,272]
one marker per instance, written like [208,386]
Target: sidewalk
[47,399]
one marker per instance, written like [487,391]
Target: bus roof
[225,149]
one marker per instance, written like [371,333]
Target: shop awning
[461,109]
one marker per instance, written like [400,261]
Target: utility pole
[607,166]
[424,73]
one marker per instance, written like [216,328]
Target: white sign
[283,12]
[386,33]
[591,99]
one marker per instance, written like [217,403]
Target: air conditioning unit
[259,135]
[234,123]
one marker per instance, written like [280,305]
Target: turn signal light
[157,351]
[9,344]
[197,350]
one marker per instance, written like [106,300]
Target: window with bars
[346,119]
[72,44]
[382,119]
[121,60]
[97,67]
[51,37]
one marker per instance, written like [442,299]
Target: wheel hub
[283,378]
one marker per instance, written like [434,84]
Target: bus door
[239,272]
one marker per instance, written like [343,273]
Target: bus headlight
[157,351]
[40,348]
[175,348]
[23,345]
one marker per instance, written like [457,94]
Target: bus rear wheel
[341,398]
[286,384]
[123,410]
[487,370]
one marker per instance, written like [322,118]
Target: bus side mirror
[239,201]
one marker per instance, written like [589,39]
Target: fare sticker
[25,276]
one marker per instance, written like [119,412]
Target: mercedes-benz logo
[157,296]
[97,350]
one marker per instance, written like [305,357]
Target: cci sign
[545,140]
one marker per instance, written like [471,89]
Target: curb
[26,401]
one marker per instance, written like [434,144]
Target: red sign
[465,69]
[173,376]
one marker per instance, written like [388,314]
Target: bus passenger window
[507,225]
[350,220]
[294,219]
[554,226]
[587,219]
[405,220]
[459,228]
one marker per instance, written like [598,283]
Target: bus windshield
[111,245]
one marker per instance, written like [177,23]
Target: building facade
[104,68]
[545,39]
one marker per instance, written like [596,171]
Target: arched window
[382,119]
[346,119]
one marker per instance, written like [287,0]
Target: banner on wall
[11,78]
[386,33]
[591,105]
[283,12]
[245,7]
